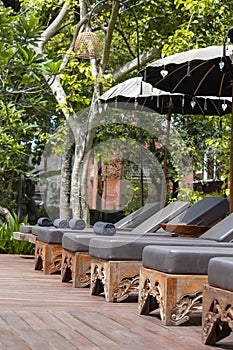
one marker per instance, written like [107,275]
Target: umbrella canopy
[207,72]
[136,94]
[204,72]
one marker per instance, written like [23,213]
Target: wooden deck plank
[147,333]
[85,329]
[56,340]
[110,328]
[10,340]
[40,312]
[171,336]
[49,320]
[24,331]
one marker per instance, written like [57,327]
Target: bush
[9,245]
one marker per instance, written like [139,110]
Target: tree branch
[108,36]
[54,26]
[130,66]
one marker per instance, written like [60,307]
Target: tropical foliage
[42,82]
[8,245]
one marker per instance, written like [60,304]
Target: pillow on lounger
[61,223]
[104,228]
[77,224]
[44,222]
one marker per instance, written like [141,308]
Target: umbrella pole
[141,170]
[231,155]
[164,180]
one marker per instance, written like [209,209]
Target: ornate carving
[144,295]
[151,298]
[55,265]
[185,307]
[66,269]
[158,295]
[85,278]
[38,258]
[127,286]
[99,280]
[218,323]
[48,257]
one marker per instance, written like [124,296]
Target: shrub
[9,245]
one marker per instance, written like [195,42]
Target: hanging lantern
[87,45]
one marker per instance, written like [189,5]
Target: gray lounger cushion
[164,215]
[54,235]
[75,242]
[25,229]
[204,212]
[127,248]
[78,242]
[71,241]
[137,217]
[220,272]
[182,260]
[221,232]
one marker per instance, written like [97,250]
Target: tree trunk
[66,171]
[82,177]
[75,192]
[82,187]
[79,188]
[84,134]
[83,141]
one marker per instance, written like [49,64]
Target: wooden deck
[40,312]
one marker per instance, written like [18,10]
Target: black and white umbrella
[136,94]
[199,72]
[204,72]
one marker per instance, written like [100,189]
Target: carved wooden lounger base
[217,316]
[48,257]
[178,297]
[117,279]
[76,268]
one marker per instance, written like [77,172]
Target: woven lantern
[87,45]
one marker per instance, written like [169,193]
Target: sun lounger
[138,217]
[217,313]
[120,258]
[48,250]
[172,280]
[128,222]
[76,261]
